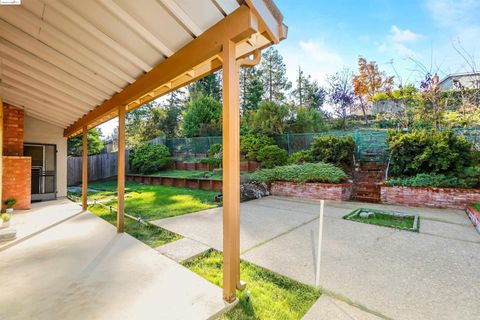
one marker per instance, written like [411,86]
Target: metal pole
[319,249]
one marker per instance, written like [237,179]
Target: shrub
[10,202]
[333,149]
[214,162]
[202,117]
[309,172]
[470,179]
[428,152]
[149,157]
[300,157]
[215,149]
[251,144]
[272,156]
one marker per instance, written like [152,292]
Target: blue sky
[327,35]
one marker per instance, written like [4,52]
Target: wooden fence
[100,166]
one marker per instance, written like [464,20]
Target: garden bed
[312,190]
[390,219]
[473,213]
[192,183]
[454,198]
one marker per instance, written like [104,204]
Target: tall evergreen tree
[273,75]
[307,92]
[251,89]
[209,86]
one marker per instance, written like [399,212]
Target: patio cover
[77,64]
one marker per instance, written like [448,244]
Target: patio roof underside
[72,63]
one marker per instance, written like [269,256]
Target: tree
[307,92]
[273,75]
[210,86]
[306,120]
[202,117]
[251,88]
[269,119]
[405,99]
[135,124]
[340,94]
[368,82]
[95,143]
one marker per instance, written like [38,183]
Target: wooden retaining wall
[193,183]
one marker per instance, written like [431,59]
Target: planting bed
[392,219]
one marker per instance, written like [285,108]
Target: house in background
[460,81]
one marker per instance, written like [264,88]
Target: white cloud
[402,36]
[456,13]
[397,42]
[314,56]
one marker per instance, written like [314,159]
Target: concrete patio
[81,268]
[392,273]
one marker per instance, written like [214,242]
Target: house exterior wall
[37,131]
[13,130]
[17,183]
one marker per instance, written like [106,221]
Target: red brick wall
[474,216]
[17,179]
[312,191]
[13,128]
[429,197]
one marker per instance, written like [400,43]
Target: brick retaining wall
[203,184]
[429,197]
[180,165]
[474,216]
[312,191]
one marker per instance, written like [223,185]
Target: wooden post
[84,167]
[1,153]
[121,170]
[231,173]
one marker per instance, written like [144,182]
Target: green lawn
[271,296]
[153,202]
[383,219]
[189,174]
[477,206]
[148,234]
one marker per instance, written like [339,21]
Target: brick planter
[429,197]
[203,184]
[180,165]
[312,191]
[474,216]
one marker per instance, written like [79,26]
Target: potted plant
[10,202]
[6,220]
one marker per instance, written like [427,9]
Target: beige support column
[84,167]
[1,152]
[121,170]
[231,173]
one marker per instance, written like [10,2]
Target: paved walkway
[83,269]
[399,274]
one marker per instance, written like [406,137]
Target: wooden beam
[231,173]
[121,170]
[1,152]
[270,17]
[84,168]
[238,26]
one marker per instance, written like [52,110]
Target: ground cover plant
[152,202]
[267,296]
[384,218]
[149,234]
[308,172]
[469,179]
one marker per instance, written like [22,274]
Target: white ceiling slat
[27,42]
[181,15]
[227,5]
[8,73]
[24,89]
[40,29]
[37,105]
[53,117]
[52,82]
[204,13]
[136,26]
[88,27]
[21,101]
[8,49]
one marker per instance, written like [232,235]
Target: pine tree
[251,89]
[210,86]
[307,92]
[273,76]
